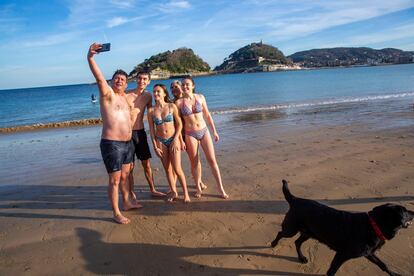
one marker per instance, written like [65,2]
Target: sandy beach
[55,217]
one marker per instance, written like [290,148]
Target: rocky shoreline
[85,122]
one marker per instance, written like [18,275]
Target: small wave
[314,103]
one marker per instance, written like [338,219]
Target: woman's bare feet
[198,194]
[155,193]
[187,198]
[119,218]
[203,186]
[133,195]
[133,204]
[225,196]
[172,196]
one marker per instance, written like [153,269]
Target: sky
[44,43]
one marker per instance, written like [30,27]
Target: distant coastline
[292,68]
[261,57]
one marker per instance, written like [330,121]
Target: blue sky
[44,43]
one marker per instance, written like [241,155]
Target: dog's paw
[273,244]
[303,260]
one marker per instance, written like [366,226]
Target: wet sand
[55,216]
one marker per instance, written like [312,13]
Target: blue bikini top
[167,119]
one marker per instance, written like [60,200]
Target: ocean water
[290,92]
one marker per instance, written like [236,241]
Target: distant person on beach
[193,109]
[178,93]
[139,99]
[116,135]
[165,128]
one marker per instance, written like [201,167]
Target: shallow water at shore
[28,156]
[234,93]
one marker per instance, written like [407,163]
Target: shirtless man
[138,100]
[116,135]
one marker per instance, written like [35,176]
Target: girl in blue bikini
[193,109]
[165,128]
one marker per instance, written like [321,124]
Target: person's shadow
[157,259]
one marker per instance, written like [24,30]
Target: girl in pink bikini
[193,109]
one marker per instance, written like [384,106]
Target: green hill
[348,56]
[179,61]
[251,58]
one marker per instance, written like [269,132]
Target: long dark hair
[167,98]
[191,79]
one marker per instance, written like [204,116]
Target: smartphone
[105,47]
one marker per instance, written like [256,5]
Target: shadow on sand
[156,259]
[23,198]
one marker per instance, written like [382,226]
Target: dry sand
[55,216]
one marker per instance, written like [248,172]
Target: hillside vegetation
[179,61]
[348,56]
[252,56]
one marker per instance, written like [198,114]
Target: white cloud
[293,19]
[326,15]
[208,22]
[400,32]
[123,3]
[96,14]
[173,6]
[10,23]
[93,12]
[160,28]
[83,12]
[10,77]
[50,40]
[116,21]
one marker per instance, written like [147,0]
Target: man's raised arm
[97,73]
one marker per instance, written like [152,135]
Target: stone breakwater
[85,122]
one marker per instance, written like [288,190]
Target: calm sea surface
[307,90]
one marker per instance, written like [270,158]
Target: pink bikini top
[196,108]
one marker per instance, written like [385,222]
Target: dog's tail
[289,197]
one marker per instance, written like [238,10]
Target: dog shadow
[156,259]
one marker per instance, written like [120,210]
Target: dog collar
[377,230]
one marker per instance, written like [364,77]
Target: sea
[321,91]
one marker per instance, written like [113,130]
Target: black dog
[351,235]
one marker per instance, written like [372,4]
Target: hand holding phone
[105,47]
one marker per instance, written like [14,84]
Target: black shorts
[140,143]
[116,153]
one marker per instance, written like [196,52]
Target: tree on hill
[179,61]
[346,56]
[252,55]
